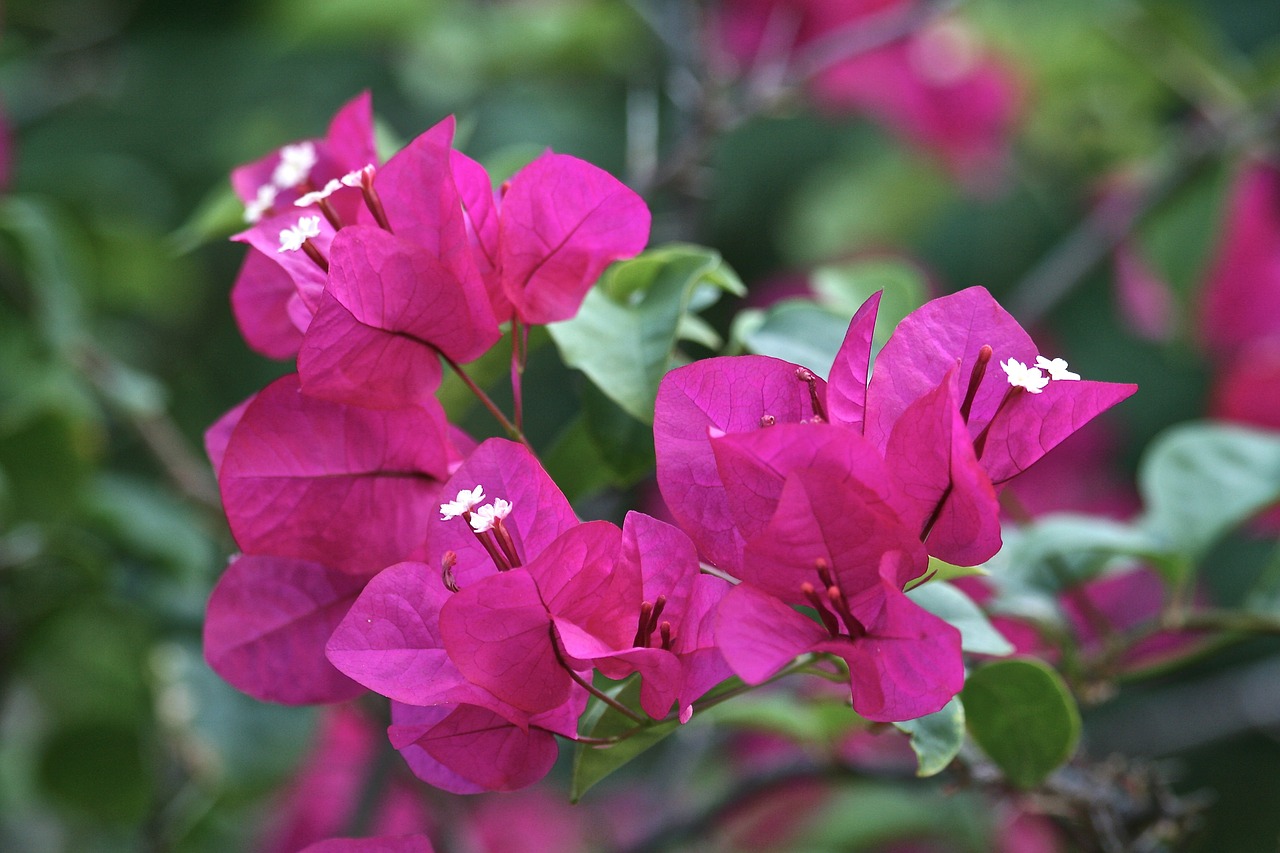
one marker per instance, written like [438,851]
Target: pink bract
[714,397]
[347,487]
[266,627]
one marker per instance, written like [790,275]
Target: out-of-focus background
[1105,167]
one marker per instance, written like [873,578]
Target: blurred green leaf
[1060,550]
[977,634]
[591,764]
[625,444]
[1022,715]
[794,330]
[844,287]
[936,738]
[625,335]
[1199,480]
[53,257]
[99,770]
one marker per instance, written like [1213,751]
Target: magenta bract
[710,398]
[266,626]
[348,487]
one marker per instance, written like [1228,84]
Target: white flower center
[1021,376]
[295,165]
[291,239]
[266,197]
[1056,368]
[311,198]
[464,502]
[488,515]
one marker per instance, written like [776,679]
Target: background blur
[1094,210]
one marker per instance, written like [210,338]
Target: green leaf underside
[936,738]
[591,764]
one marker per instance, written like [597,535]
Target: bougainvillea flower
[465,749]
[904,662]
[666,620]
[347,487]
[271,184]
[504,470]
[534,821]
[266,627]
[1143,298]
[932,458]
[1012,426]
[324,796]
[390,309]
[716,396]
[1241,297]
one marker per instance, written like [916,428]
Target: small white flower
[464,502]
[319,195]
[291,239]
[1021,376]
[486,516]
[295,165]
[1056,368]
[266,197]
[357,178]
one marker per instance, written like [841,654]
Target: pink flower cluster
[383,549]
[833,495]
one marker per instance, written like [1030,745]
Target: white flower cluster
[1034,379]
[291,239]
[482,517]
[296,162]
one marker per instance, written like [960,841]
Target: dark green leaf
[936,738]
[625,335]
[1022,715]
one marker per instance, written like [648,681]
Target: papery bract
[906,664]
[347,487]
[674,650]
[266,627]
[539,510]
[1241,296]
[931,456]
[562,221]
[951,332]
[714,397]
[389,310]
[466,749]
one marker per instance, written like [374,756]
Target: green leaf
[1022,715]
[624,444]
[977,634]
[1199,480]
[625,335]
[844,287]
[795,330]
[936,738]
[591,764]
[1061,550]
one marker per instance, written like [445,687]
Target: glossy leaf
[625,335]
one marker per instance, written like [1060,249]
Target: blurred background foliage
[117,346]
